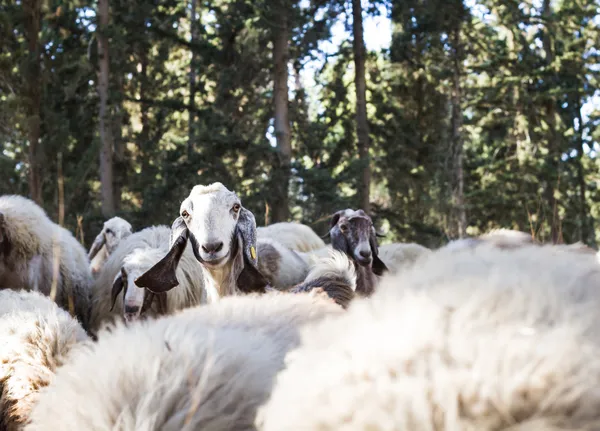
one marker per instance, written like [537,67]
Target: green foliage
[526,73]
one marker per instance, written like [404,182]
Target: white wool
[282,266]
[335,265]
[36,337]
[44,257]
[479,339]
[205,368]
[295,236]
[113,232]
[397,255]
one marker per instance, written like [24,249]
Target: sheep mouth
[364,262]
[214,263]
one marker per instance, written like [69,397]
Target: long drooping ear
[97,245]
[162,276]
[246,230]
[378,267]
[249,278]
[379,235]
[117,287]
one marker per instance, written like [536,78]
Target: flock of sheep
[215,324]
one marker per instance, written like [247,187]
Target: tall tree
[281,172]
[457,141]
[105,123]
[193,65]
[362,125]
[33,84]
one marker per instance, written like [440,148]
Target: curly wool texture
[36,337]
[479,339]
[295,236]
[35,244]
[207,368]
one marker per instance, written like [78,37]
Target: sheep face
[353,233]
[113,231]
[136,300]
[220,231]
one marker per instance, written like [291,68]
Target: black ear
[249,279]
[379,235]
[162,276]
[97,245]
[378,267]
[117,287]
[162,303]
[5,245]
[148,298]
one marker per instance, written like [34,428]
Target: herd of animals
[215,324]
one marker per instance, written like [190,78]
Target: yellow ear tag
[253,252]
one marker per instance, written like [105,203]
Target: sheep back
[207,368]
[479,339]
[296,236]
[37,337]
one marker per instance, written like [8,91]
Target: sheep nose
[365,253]
[131,309]
[212,247]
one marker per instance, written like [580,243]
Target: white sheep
[222,235]
[398,255]
[296,236]
[504,238]
[135,255]
[113,231]
[37,337]
[282,266]
[486,338]
[207,368]
[37,254]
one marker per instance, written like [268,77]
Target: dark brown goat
[353,233]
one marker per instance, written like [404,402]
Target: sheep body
[136,254]
[37,254]
[282,266]
[113,231]
[461,340]
[400,255]
[37,337]
[296,236]
[207,368]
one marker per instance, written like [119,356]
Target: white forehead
[142,259]
[117,224]
[203,198]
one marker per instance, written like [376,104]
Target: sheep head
[353,233]
[136,300]
[113,231]
[219,230]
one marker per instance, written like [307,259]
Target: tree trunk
[587,235]
[362,126]
[281,174]
[193,65]
[457,142]
[553,145]
[119,163]
[31,9]
[106,139]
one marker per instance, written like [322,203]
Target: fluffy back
[37,337]
[295,236]
[39,255]
[400,255]
[206,368]
[333,277]
[282,266]
[480,339]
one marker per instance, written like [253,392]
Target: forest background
[441,118]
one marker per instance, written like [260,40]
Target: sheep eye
[236,208]
[343,228]
[185,214]
[108,231]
